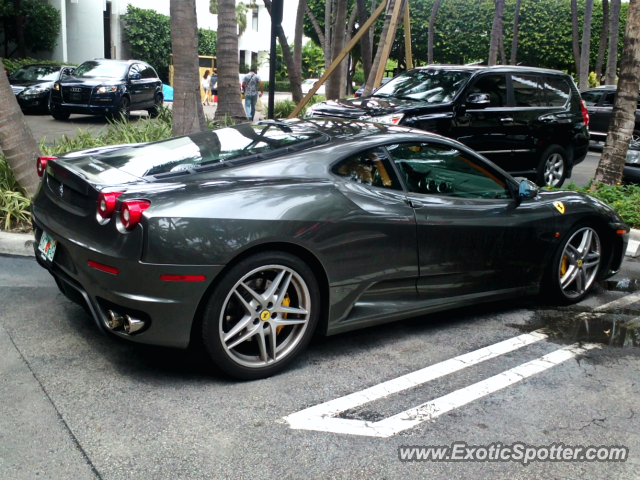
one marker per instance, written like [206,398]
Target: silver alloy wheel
[553,169]
[124,108]
[635,139]
[265,316]
[579,262]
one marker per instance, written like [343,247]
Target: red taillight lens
[103,268]
[41,164]
[107,203]
[131,212]
[585,113]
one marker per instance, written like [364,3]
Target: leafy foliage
[312,61]
[14,203]
[280,86]
[284,108]
[12,65]
[207,42]
[41,25]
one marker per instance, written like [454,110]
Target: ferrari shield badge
[559,206]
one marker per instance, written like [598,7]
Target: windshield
[206,147]
[429,85]
[97,69]
[35,74]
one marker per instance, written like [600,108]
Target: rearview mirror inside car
[527,190]
[478,100]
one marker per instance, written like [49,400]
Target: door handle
[506,120]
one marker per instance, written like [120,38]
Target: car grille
[69,94]
[67,194]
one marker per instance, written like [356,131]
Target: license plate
[47,246]
[76,96]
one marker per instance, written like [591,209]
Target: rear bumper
[168,308]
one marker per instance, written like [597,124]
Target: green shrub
[284,108]
[12,65]
[14,203]
[280,86]
[41,25]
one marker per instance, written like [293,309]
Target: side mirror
[134,76]
[478,100]
[527,190]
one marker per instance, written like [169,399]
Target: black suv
[529,121]
[599,103]
[107,87]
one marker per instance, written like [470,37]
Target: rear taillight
[131,212]
[41,164]
[107,204]
[585,113]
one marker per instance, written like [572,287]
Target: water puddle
[628,285]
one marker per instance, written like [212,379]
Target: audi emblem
[76,89]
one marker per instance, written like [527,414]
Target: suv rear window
[207,147]
[558,91]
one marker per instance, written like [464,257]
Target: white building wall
[85,30]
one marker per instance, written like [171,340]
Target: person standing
[214,87]
[206,86]
[250,86]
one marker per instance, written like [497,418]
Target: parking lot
[77,404]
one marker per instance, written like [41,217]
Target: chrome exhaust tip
[114,320]
[132,325]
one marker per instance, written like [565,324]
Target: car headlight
[107,89]
[393,119]
[35,90]
[56,86]
[633,157]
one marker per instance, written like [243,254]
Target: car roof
[110,60]
[496,68]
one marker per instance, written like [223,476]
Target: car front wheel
[60,115]
[261,315]
[124,109]
[552,168]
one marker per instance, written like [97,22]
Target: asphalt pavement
[77,404]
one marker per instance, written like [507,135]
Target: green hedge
[280,86]
[12,65]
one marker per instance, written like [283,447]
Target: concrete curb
[16,244]
[633,249]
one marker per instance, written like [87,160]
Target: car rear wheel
[552,168]
[574,267]
[261,315]
[124,109]
[157,102]
[60,115]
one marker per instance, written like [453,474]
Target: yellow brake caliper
[564,265]
[286,301]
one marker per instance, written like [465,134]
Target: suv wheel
[635,136]
[157,102]
[60,114]
[552,168]
[124,109]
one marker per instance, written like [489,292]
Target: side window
[558,91]
[609,99]
[371,167]
[495,86]
[435,169]
[592,98]
[135,68]
[527,91]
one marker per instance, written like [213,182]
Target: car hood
[90,81]
[18,86]
[369,106]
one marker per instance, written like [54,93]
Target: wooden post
[407,38]
[388,43]
[340,57]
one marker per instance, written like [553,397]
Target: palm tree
[603,39]
[336,80]
[365,42]
[586,46]
[241,14]
[229,104]
[623,116]
[432,23]
[516,24]
[16,138]
[575,41]
[496,32]
[612,57]
[375,66]
[188,116]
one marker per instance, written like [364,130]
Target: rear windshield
[431,85]
[206,148]
[98,69]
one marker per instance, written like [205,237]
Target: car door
[605,109]
[592,99]
[136,86]
[149,83]
[473,236]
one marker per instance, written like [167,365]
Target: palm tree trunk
[336,81]
[623,116]
[432,23]
[586,46]
[316,26]
[229,104]
[516,24]
[365,42]
[503,57]
[575,41]
[16,139]
[612,56]
[188,116]
[297,45]
[603,39]
[496,32]
[327,33]
[375,66]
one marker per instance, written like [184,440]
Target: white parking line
[619,303]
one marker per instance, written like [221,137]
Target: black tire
[60,115]
[294,339]
[551,157]
[158,102]
[124,110]
[552,286]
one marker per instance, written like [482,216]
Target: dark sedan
[32,85]
[251,238]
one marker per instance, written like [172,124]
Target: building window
[254,19]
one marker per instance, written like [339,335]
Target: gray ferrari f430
[251,238]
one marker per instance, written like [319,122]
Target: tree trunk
[293,71]
[603,39]
[623,116]
[586,46]
[432,23]
[612,56]
[574,35]
[188,116]
[316,26]
[503,57]
[327,33]
[496,32]
[16,139]
[365,42]
[336,81]
[22,49]
[514,42]
[229,104]
[297,45]
[375,66]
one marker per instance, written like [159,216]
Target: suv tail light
[585,113]
[131,212]
[41,164]
[107,204]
